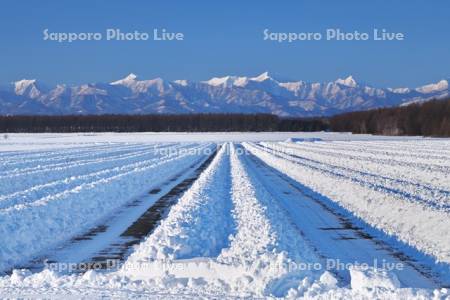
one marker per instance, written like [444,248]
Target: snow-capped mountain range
[231,94]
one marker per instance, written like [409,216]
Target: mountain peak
[182,82]
[26,81]
[227,81]
[262,77]
[130,78]
[443,84]
[23,84]
[27,86]
[349,81]
[434,87]
[217,81]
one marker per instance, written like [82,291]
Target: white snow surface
[227,236]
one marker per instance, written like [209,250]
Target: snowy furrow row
[265,240]
[27,230]
[262,226]
[417,149]
[199,224]
[24,181]
[361,154]
[423,227]
[31,164]
[17,156]
[369,176]
[367,151]
[91,158]
[418,145]
[64,184]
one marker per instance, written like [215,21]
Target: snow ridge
[199,224]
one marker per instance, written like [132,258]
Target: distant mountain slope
[233,94]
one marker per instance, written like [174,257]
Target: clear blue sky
[225,37]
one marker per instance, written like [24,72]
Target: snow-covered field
[288,215]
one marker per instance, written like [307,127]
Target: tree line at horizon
[430,118]
[157,123]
